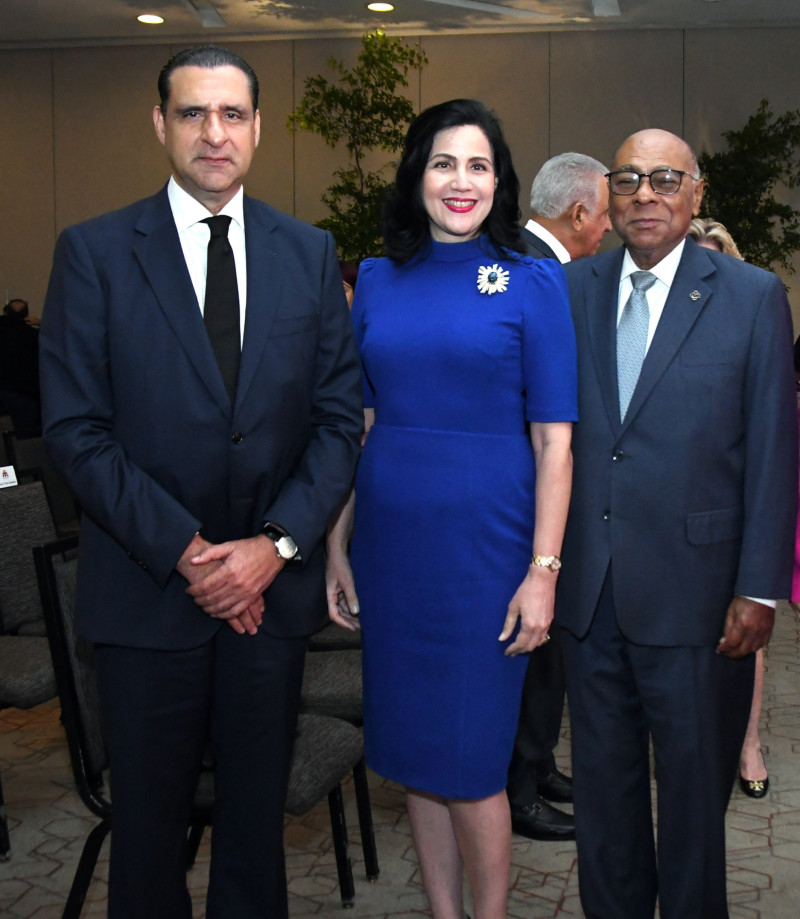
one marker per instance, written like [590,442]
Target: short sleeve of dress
[366,289]
[548,346]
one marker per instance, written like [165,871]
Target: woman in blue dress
[468,358]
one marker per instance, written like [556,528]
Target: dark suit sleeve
[311,493]
[78,417]
[770,451]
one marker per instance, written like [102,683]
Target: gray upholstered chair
[26,671]
[25,522]
[26,679]
[332,685]
[333,637]
[31,462]
[326,749]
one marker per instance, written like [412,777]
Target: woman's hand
[532,606]
[342,600]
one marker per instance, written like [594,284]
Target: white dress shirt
[188,214]
[657,295]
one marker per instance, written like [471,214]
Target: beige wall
[78,136]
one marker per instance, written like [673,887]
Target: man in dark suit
[569,217]
[680,536]
[569,208]
[207,475]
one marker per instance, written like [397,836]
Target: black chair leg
[5,839]
[344,867]
[195,838]
[85,870]
[365,821]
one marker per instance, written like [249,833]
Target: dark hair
[21,313]
[210,57]
[405,221]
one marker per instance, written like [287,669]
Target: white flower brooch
[492,279]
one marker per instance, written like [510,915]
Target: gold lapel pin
[694,295]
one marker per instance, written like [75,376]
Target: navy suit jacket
[537,247]
[692,499]
[137,417]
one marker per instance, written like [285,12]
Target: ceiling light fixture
[150,19]
[206,12]
[497,8]
[380,7]
[605,7]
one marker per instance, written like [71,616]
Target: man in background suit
[569,208]
[207,471]
[569,217]
[679,539]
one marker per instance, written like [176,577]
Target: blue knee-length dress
[445,501]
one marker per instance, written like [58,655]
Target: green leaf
[762,156]
[361,110]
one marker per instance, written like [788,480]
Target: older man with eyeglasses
[679,539]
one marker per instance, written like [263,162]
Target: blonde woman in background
[753,777]
[712,235]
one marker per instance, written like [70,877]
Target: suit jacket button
[617,455]
[606,515]
[237,437]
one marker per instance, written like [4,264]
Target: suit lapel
[158,249]
[266,286]
[601,319]
[687,298]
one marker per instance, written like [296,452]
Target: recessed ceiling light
[150,19]
[380,7]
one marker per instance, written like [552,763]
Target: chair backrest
[25,522]
[73,660]
[30,458]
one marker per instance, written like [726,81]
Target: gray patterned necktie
[632,338]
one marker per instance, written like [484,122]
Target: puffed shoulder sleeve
[548,345]
[367,287]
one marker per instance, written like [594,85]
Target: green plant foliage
[361,110]
[765,153]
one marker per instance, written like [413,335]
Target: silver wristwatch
[285,546]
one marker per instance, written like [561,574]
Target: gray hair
[563,181]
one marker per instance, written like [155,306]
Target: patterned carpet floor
[49,823]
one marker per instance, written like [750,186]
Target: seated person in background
[19,368]
[17,308]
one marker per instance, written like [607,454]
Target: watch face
[286,547]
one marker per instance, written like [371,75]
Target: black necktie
[221,310]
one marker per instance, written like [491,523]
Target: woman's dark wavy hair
[405,221]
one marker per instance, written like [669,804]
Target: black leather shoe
[754,788]
[556,787]
[541,821]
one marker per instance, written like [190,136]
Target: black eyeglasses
[662,181]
